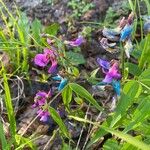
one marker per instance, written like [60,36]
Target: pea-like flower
[43,114]
[40,98]
[104,64]
[116,86]
[112,72]
[49,56]
[126,32]
[128,48]
[110,47]
[76,42]
[63,82]
[41,60]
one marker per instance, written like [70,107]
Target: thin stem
[122,61]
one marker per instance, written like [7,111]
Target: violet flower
[112,73]
[53,67]
[43,60]
[104,64]
[76,42]
[49,41]
[43,114]
[40,99]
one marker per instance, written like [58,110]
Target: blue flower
[63,81]
[116,86]
[62,84]
[126,32]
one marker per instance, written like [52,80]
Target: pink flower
[112,73]
[40,99]
[53,67]
[43,60]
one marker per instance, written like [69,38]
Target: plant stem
[122,61]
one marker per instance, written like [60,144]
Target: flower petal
[53,67]
[116,85]
[41,94]
[62,84]
[41,60]
[103,63]
[128,48]
[76,42]
[108,79]
[126,32]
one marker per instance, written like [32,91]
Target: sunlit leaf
[85,94]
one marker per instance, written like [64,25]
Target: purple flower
[131,18]
[41,60]
[40,99]
[44,115]
[76,42]
[53,67]
[104,64]
[112,73]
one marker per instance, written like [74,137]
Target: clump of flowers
[48,57]
[112,75]
[40,100]
[121,33]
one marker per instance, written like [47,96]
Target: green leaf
[52,29]
[133,69]
[36,29]
[93,73]
[145,77]
[132,140]
[126,137]
[131,90]
[59,121]
[75,58]
[141,113]
[3,138]
[67,95]
[9,106]
[85,94]
[24,142]
[145,74]
[66,147]
[111,144]
[23,28]
[145,52]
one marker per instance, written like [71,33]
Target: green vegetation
[127,125]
